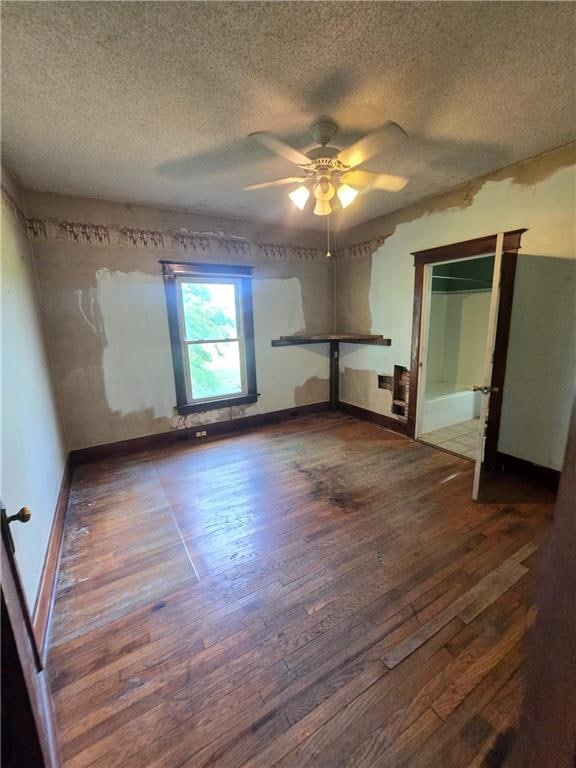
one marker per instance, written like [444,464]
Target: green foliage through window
[209,311]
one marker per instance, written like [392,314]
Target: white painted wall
[457,338]
[278,311]
[136,360]
[545,206]
[541,365]
[33,454]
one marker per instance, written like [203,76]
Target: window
[212,334]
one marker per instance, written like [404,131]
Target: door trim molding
[507,282]
[35,680]
[478,246]
[457,251]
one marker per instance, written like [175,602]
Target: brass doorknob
[23,515]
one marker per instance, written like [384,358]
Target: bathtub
[446,404]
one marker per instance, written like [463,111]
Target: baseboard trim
[42,613]
[388,422]
[524,468]
[213,431]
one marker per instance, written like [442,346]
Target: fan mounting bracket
[323,130]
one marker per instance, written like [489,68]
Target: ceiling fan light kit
[346,195]
[329,171]
[322,208]
[324,189]
[299,197]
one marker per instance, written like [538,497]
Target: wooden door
[28,728]
[482,246]
[486,386]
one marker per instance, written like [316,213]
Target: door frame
[41,725]
[480,246]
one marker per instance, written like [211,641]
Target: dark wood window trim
[171,270]
[468,249]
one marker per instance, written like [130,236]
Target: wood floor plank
[322,592]
[470,604]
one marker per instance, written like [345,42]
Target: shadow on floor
[503,487]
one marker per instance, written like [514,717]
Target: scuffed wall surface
[520,178]
[106,321]
[352,288]
[69,208]
[539,194]
[33,451]
[67,277]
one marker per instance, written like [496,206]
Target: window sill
[209,405]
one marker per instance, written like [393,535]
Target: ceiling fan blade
[375,180]
[281,148]
[372,144]
[276,183]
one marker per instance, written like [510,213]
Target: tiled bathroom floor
[460,438]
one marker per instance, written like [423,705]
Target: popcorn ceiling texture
[153,102]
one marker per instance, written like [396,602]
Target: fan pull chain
[328,254]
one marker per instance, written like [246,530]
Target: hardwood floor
[318,593]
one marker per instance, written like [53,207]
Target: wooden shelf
[334,340]
[321,338]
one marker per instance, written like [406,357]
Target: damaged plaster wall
[105,313]
[538,194]
[367,290]
[33,451]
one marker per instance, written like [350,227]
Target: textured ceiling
[152,102]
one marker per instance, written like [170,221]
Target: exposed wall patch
[353,312]
[314,390]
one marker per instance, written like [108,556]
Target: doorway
[456,309]
[502,248]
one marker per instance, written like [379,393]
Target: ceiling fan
[330,172]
